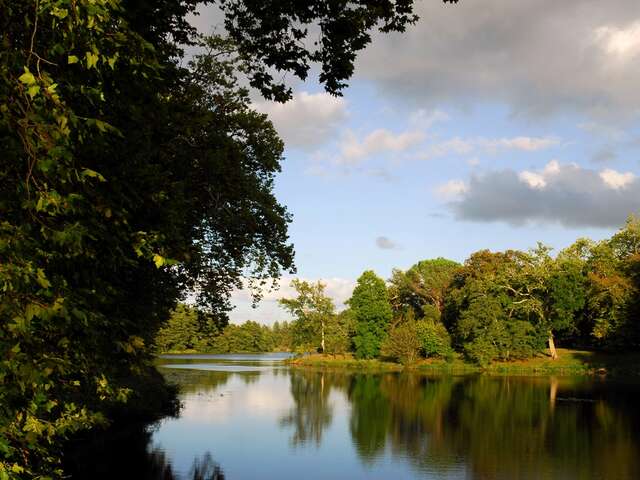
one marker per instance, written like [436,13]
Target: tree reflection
[502,427]
[312,412]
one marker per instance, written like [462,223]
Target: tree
[312,310]
[371,310]
[548,292]
[422,286]
[484,315]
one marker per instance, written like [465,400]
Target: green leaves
[27,77]
[92,59]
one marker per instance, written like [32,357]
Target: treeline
[496,306]
[191,330]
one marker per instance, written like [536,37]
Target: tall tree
[372,313]
[313,310]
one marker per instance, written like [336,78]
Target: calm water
[249,417]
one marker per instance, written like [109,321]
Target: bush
[402,343]
[433,339]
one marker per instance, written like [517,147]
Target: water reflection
[321,424]
[312,411]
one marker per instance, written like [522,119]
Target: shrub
[402,343]
[433,339]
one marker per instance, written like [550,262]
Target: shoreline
[569,363]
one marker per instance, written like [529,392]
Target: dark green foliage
[422,288]
[483,313]
[371,310]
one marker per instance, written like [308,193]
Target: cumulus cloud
[566,194]
[538,56]
[386,243]
[354,150]
[307,120]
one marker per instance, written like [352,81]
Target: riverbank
[570,362]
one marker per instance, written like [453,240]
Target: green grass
[569,363]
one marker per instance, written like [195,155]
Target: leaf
[27,77]
[158,260]
[92,59]
[71,59]
[33,90]
[41,278]
[87,172]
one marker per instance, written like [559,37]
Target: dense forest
[496,306]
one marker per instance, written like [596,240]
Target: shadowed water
[273,422]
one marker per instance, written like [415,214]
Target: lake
[251,417]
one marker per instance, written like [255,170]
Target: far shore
[570,362]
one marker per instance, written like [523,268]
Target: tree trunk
[322,333]
[552,347]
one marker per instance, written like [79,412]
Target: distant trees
[190,330]
[249,337]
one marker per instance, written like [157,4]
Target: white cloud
[567,194]
[620,42]
[617,180]
[534,180]
[353,150]
[307,120]
[451,189]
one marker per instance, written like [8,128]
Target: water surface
[250,417]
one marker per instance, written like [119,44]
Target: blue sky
[491,124]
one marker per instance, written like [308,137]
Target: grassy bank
[570,362]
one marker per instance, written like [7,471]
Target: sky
[488,124]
